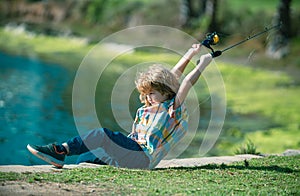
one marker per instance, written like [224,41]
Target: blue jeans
[103,146]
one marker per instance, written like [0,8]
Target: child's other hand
[205,59]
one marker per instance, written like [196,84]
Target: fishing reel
[212,39]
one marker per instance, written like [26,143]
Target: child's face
[155,97]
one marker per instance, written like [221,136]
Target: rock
[291,152]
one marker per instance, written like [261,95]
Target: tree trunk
[191,9]
[278,46]
[211,10]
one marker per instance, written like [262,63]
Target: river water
[32,109]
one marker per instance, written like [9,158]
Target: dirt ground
[49,188]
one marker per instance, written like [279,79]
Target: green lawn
[61,50]
[264,107]
[268,176]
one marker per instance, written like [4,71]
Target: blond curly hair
[156,78]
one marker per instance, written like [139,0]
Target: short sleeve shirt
[158,128]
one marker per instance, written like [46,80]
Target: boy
[159,125]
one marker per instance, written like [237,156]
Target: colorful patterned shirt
[158,128]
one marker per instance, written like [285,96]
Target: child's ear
[142,98]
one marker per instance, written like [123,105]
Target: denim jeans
[103,146]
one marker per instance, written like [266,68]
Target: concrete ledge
[190,162]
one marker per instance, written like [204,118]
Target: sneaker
[49,154]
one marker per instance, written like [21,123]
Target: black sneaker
[49,154]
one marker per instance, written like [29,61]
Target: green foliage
[266,176]
[253,6]
[94,11]
[248,148]
[106,12]
[115,15]
[243,20]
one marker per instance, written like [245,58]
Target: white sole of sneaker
[45,157]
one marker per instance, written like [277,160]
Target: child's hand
[205,60]
[195,49]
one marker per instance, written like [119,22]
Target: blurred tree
[94,10]
[278,46]
[191,10]
[211,10]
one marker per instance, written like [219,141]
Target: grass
[62,50]
[258,94]
[249,148]
[268,176]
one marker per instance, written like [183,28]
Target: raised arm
[191,79]
[184,61]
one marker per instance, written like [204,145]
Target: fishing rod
[213,39]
